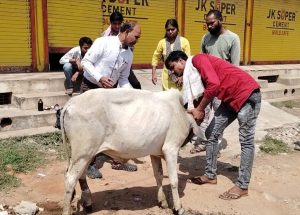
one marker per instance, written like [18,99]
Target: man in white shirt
[72,62]
[116,20]
[108,62]
[109,59]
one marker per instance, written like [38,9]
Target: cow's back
[123,122]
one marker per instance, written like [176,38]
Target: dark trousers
[87,85]
[134,82]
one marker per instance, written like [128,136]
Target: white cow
[124,124]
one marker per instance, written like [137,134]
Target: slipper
[69,91]
[124,166]
[93,172]
[197,149]
[230,195]
[200,180]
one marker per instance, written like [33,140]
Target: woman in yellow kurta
[171,42]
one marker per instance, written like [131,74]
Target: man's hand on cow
[106,82]
[198,115]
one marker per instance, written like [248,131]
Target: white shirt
[106,57]
[74,53]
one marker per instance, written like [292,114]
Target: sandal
[200,180]
[124,166]
[234,193]
[197,149]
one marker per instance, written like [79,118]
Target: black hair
[127,26]
[84,40]
[216,13]
[172,22]
[175,56]
[116,16]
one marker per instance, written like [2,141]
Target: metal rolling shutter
[70,20]
[151,15]
[15,34]
[275,37]
[234,19]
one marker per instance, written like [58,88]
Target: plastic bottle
[40,105]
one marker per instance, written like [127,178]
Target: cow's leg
[73,173]
[171,160]
[86,196]
[158,174]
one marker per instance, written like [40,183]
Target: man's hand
[106,82]
[198,115]
[154,78]
[72,61]
[179,81]
[78,63]
[75,76]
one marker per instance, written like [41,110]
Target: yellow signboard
[275,31]
[150,14]
[233,12]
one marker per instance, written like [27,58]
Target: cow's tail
[64,135]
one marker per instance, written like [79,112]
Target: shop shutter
[233,19]
[151,15]
[15,34]
[275,31]
[68,21]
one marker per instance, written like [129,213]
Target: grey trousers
[224,116]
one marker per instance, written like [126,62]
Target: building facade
[32,31]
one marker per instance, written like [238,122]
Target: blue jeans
[69,71]
[224,116]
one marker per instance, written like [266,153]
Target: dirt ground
[274,187]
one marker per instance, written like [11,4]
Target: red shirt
[223,80]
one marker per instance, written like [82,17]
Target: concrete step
[27,132]
[12,119]
[276,90]
[289,80]
[32,82]
[272,70]
[283,99]
[262,83]
[30,100]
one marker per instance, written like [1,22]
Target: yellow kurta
[160,55]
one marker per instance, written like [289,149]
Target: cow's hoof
[93,172]
[88,209]
[163,204]
[181,211]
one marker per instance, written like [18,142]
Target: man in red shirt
[241,99]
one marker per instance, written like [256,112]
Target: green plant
[8,181]
[274,146]
[23,154]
